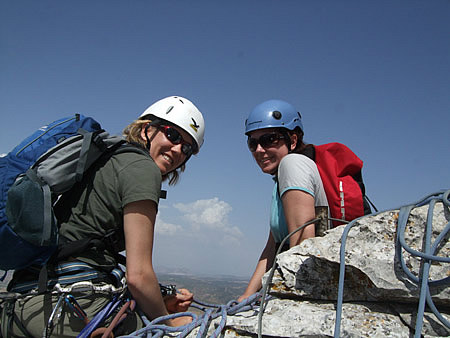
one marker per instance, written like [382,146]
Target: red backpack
[340,171]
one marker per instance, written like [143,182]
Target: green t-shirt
[96,206]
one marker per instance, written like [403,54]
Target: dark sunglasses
[175,137]
[266,141]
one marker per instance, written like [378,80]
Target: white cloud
[233,231]
[213,213]
[198,236]
[167,229]
[230,241]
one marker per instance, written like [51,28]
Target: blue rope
[205,321]
[428,256]
[154,329]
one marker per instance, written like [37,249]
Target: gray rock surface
[379,298]
[372,271]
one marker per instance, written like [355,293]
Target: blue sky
[374,75]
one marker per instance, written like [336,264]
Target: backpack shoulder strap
[310,152]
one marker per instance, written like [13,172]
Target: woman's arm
[298,209]
[139,221]
[265,263]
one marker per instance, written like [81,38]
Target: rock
[373,272]
[379,298]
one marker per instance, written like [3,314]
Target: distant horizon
[174,272]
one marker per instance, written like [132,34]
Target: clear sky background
[374,75]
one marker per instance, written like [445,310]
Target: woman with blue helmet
[275,138]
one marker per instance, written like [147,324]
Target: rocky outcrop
[380,299]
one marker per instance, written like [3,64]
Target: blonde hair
[132,134]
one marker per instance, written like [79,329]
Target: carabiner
[76,308]
[54,317]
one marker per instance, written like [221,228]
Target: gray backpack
[35,174]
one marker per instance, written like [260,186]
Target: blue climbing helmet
[273,114]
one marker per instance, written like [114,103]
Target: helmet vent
[276,115]
[169,109]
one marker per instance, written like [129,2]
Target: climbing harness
[69,273]
[66,297]
[120,300]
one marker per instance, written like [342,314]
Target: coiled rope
[428,256]
[211,311]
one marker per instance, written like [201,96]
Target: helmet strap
[149,140]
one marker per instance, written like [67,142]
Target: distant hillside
[212,290]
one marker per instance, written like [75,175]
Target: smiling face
[167,155]
[268,157]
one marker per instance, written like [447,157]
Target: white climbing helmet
[181,112]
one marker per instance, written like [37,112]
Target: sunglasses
[266,141]
[175,137]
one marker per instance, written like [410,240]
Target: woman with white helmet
[120,197]
[274,132]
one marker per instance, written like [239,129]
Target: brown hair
[132,134]
[300,146]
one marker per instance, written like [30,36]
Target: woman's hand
[179,302]
[180,321]
[241,298]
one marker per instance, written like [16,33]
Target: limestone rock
[290,318]
[373,273]
[379,298]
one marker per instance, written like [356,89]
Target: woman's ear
[144,131]
[294,140]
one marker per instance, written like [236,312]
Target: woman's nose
[177,148]
[259,148]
